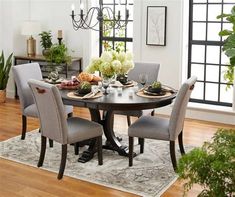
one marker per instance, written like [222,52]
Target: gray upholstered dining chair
[22,73]
[152,70]
[163,129]
[56,126]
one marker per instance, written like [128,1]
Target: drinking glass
[143,79]
[105,84]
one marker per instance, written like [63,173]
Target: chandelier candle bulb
[72,8]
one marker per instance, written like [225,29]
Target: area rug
[151,174]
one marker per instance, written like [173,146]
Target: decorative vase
[2,96]
[45,52]
[122,78]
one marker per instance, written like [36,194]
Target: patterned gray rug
[151,174]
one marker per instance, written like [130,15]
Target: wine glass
[143,79]
[105,84]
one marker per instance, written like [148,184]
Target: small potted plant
[84,88]
[5,68]
[155,87]
[46,41]
[212,166]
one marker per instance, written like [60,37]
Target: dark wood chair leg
[43,151]
[181,145]
[70,115]
[76,148]
[128,120]
[99,147]
[141,142]
[131,147]
[152,113]
[50,143]
[63,161]
[24,126]
[172,153]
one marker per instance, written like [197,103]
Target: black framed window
[206,59]
[117,39]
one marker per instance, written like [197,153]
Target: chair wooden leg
[63,161]
[131,147]
[99,147]
[76,148]
[50,143]
[43,151]
[152,113]
[70,115]
[141,142]
[181,145]
[172,153]
[128,120]
[24,126]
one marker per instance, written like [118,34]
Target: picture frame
[156,25]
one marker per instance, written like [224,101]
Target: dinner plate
[162,93]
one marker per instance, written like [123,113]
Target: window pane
[213,31]
[198,53]
[200,1]
[119,46]
[129,46]
[198,70]
[212,73]
[108,1]
[223,71]
[213,54]
[213,12]
[226,94]
[197,92]
[214,1]
[107,46]
[130,30]
[224,59]
[199,31]
[211,92]
[199,12]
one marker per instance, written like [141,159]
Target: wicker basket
[2,96]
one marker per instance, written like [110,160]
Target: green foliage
[46,39]
[212,166]
[85,85]
[58,54]
[156,84]
[229,45]
[108,27]
[5,68]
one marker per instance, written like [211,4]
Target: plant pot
[45,52]
[2,96]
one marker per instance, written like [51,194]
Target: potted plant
[229,45]
[212,166]
[5,68]
[46,41]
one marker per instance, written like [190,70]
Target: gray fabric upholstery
[54,124]
[150,127]
[162,129]
[22,73]
[152,70]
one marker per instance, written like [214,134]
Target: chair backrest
[22,73]
[179,109]
[151,69]
[51,111]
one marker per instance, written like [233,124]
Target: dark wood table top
[114,101]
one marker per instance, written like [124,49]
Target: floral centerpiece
[112,63]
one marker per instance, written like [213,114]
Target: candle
[60,34]
[73,8]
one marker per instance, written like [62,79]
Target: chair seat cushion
[31,111]
[81,129]
[150,127]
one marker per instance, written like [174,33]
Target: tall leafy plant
[5,68]
[229,44]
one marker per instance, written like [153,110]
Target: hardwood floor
[21,180]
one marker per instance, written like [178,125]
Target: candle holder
[60,40]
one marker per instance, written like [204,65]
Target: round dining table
[126,100]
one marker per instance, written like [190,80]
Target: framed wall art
[156,25]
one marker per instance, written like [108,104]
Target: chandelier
[102,13]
